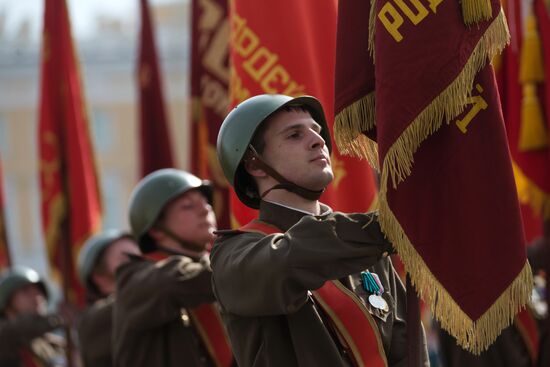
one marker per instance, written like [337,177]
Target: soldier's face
[295,148]
[114,256]
[28,299]
[191,218]
[117,253]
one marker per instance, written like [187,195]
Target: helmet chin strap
[283,184]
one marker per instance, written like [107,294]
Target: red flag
[156,152]
[265,61]
[71,209]
[5,259]
[209,93]
[447,194]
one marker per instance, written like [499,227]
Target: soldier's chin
[324,180]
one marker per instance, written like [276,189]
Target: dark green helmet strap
[283,184]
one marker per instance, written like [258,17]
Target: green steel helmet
[15,278]
[93,249]
[239,127]
[151,195]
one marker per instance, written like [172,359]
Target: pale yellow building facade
[108,64]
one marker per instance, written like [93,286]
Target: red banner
[295,60]
[447,196]
[210,96]
[156,152]
[5,259]
[71,209]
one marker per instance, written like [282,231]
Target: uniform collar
[284,217]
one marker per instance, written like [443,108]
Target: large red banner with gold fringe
[155,148]
[447,195]
[295,60]
[5,259]
[210,96]
[71,209]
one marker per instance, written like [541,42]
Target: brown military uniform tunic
[262,284]
[29,335]
[152,298]
[94,333]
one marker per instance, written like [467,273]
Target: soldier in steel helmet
[26,337]
[98,261]
[164,313]
[301,285]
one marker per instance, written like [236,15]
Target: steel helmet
[239,127]
[151,195]
[15,278]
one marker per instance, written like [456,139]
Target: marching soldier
[98,261]
[302,285]
[26,338]
[164,314]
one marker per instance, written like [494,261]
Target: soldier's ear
[253,168]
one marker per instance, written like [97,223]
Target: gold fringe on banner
[531,194]
[349,125]
[532,132]
[445,107]
[475,11]
[473,335]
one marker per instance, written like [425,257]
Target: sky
[82,12]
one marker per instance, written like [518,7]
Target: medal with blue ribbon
[373,285]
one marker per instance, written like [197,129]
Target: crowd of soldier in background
[152,295]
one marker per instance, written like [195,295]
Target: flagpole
[413,326]
[6,261]
[546,250]
[66,265]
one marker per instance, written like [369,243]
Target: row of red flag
[70,190]
[414,93]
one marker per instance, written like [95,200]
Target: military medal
[378,302]
[372,284]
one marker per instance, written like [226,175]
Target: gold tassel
[532,133]
[531,67]
[475,11]
[530,194]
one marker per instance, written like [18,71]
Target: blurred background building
[106,37]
